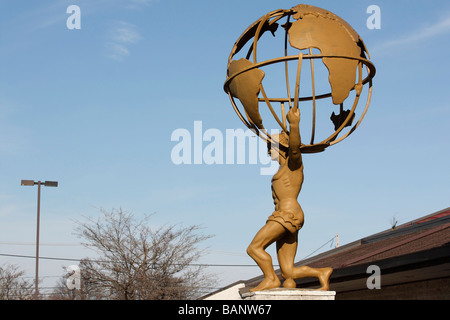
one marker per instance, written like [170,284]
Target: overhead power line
[73,259]
[192,264]
[34,257]
[331,240]
[53,244]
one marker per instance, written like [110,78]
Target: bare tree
[137,263]
[13,286]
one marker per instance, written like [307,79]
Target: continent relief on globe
[323,30]
[246,87]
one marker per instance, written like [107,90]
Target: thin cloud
[9,210]
[14,139]
[9,206]
[126,33]
[138,4]
[439,28]
[117,51]
[122,35]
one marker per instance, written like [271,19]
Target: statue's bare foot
[324,278]
[267,284]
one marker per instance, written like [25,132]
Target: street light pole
[37,240]
[38,183]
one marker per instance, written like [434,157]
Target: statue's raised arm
[295,156]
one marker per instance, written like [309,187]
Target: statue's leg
[271,232]
[286,250]
[323,274]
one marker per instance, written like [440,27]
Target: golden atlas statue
[261,81]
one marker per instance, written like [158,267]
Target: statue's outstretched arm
[295,155]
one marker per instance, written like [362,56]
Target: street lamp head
[51,183]
[32,183]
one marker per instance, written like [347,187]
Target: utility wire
[332,239]
[33,257]
[72,259]
[54,244]
[192,264]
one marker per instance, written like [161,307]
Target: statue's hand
[293,116]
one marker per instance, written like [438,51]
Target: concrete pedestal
[287,294]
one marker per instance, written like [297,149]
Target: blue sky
[94,109]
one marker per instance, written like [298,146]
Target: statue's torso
[286,185]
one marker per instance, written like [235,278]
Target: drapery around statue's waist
[292,220]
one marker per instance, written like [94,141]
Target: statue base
[287,294]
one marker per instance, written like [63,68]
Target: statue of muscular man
[283,225]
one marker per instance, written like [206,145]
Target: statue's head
[279,146]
